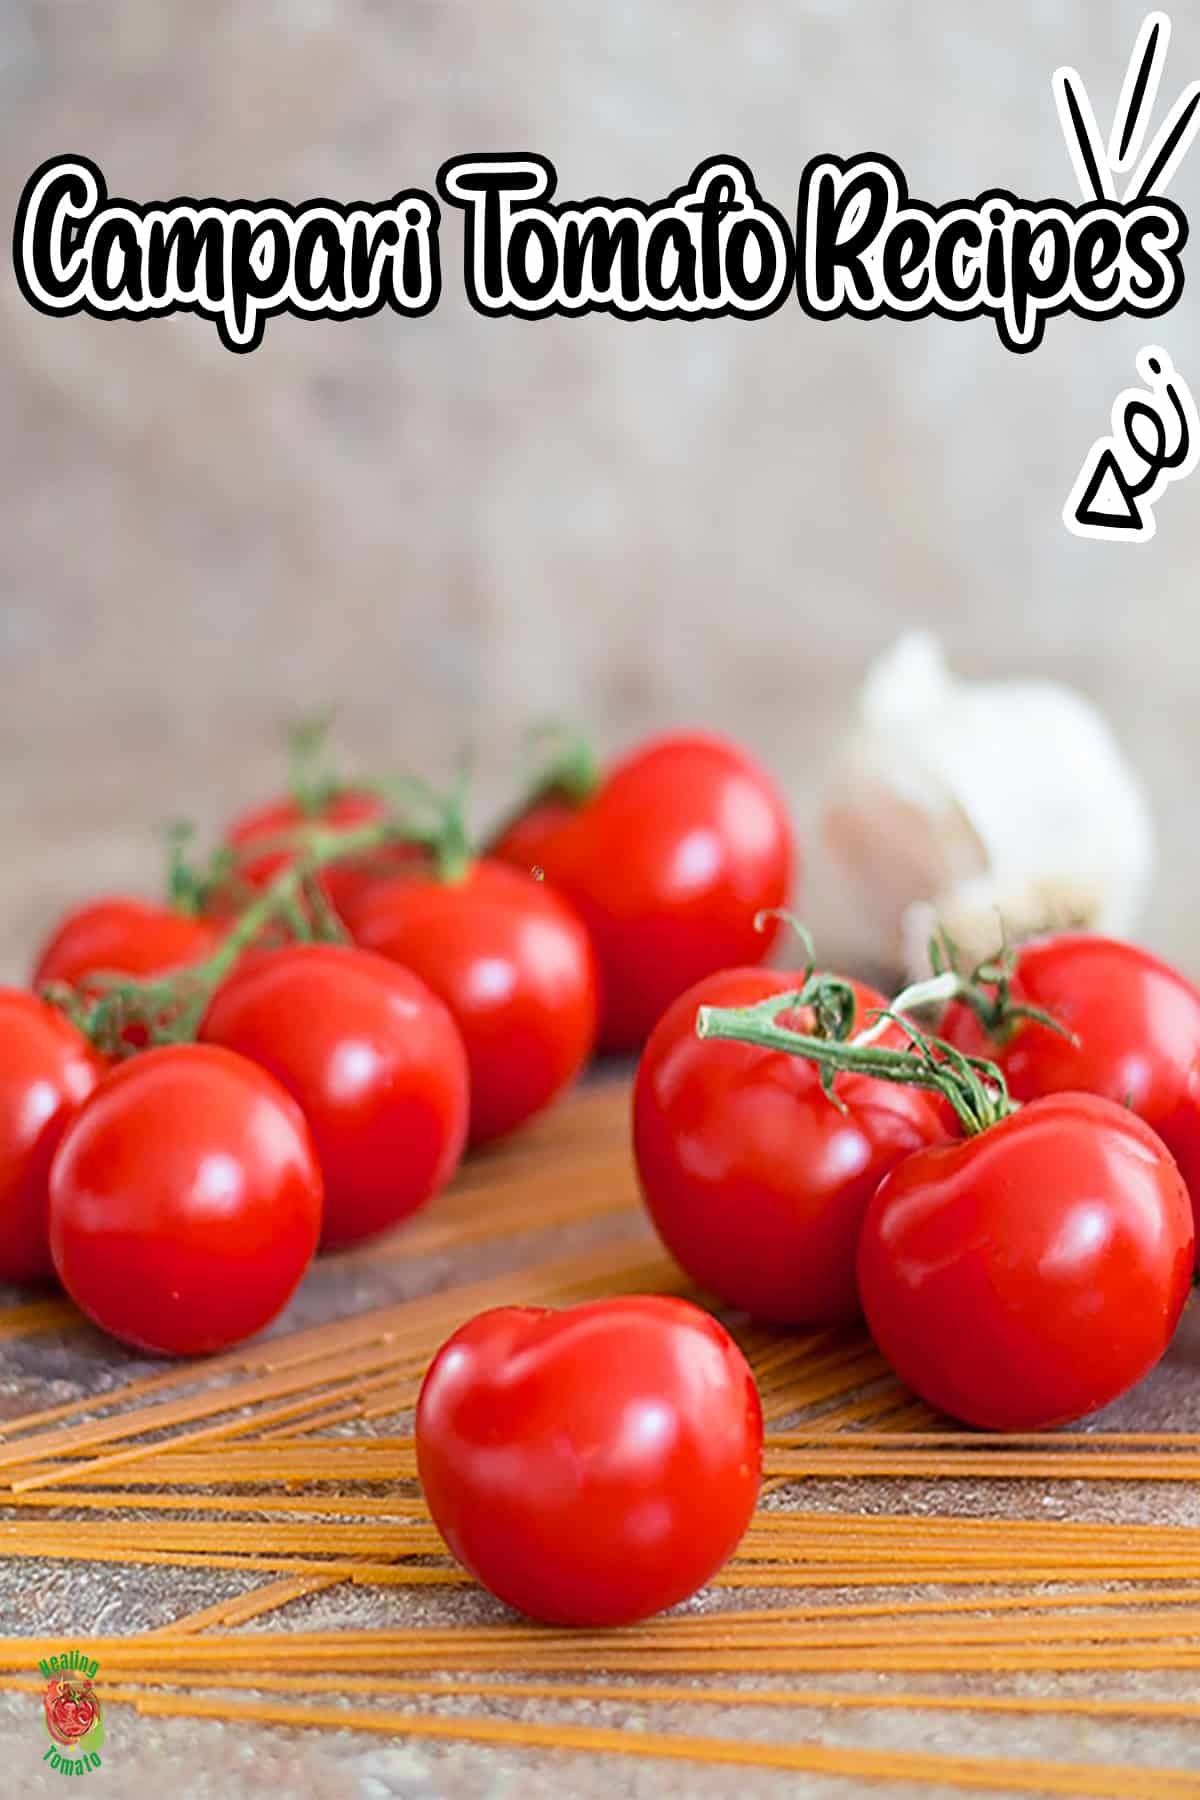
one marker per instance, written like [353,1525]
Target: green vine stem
[417,814]
[566,768]
[313,780]
[987,991]
[938,990]
[121,1016]
[572,767]
[974,1088]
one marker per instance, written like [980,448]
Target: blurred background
[451,525]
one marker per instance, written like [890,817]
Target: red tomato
[1026,1276]
[1138,1026]
[513,964]
[185,1201]
[376,1063]
[593,1466]
[47,1071]
[121,935]
[668,864]
[341,882]
[755,1180]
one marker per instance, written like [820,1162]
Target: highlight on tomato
[375,1062]
[668,858]
[1125,1026]
[756,1181]
[511,961]
[47,1071]
[1027,1274]
[593,1466]
[185,1200]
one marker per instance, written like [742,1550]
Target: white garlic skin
[995,809]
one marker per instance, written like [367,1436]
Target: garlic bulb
[995,809]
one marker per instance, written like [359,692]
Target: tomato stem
[312,776]
[569,770]
[168,1009]
[315,785]
[572,769]
[988,991]
[188,889]
[937,990]
[974,1088]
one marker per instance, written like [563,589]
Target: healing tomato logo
[72,1713]
[72,1710]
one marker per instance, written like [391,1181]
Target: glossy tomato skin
[47,1071]
[185,1201]
[1027,1276]
[1137,1022]
[375,1062]
[593,1466]
[122,935]
[756,1182]
[668,864]
[513,964]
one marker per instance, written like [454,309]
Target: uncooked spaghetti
[291,1462]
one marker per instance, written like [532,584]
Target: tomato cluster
[295,1051]
[297,1047]
[1020,1265]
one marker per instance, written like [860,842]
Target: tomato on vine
[258,839]
[122,935]
[374,1060]
[513,964]
[1031,1272]
[47,1071]
[756,1182]
[1127,1028]
[668,858]
[268,839]
[594,1466]
[185,1200]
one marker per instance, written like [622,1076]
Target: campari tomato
[47,1071]
[591,1466]
[755,1179]
[668,861]
[1033,1272]
[376,1063]
[1129,1031]
[185,1200]
[122,935]
[513,964]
